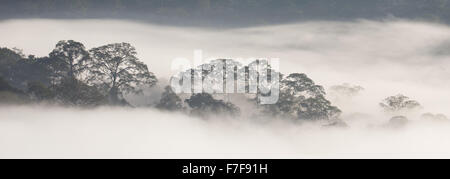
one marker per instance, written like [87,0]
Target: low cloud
[53,132]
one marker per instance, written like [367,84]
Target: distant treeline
[227,12]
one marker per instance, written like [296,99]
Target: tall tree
[301,98]
[115,69]
[203,104]
[73,56]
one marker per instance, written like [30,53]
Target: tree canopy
[399,103]
[73,58]
[115,70]
[72,75]
[203,104]
[301,98]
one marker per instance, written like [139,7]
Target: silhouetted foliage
[69,76]
[75,93]
[75,77]
[399,103]
[19,71]
[115,70]
[301,98]
[4,86]
[70,59]
[8,57]
[170,101]
[203,104]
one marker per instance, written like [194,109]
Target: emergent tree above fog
[104,74]
[73,76]
[73,58]
[301,98]
[18,70]
[115,70]
[203,104]
[399,103]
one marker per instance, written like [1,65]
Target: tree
[4,86]
[399,103]
[8,57]
[18,71]
[298,84]
[218,72]
[213,76]
[317,108]
[203,104]
[115,70]
[73,56]
[170,101]
[10,67]
[301,98]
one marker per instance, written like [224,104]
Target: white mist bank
[52,132]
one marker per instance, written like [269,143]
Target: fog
[385,57]
[42,132]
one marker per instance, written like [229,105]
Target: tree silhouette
[203,104]
[73,58]
[301,98]
[399,103]
[115,70]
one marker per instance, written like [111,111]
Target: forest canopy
[72,75]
